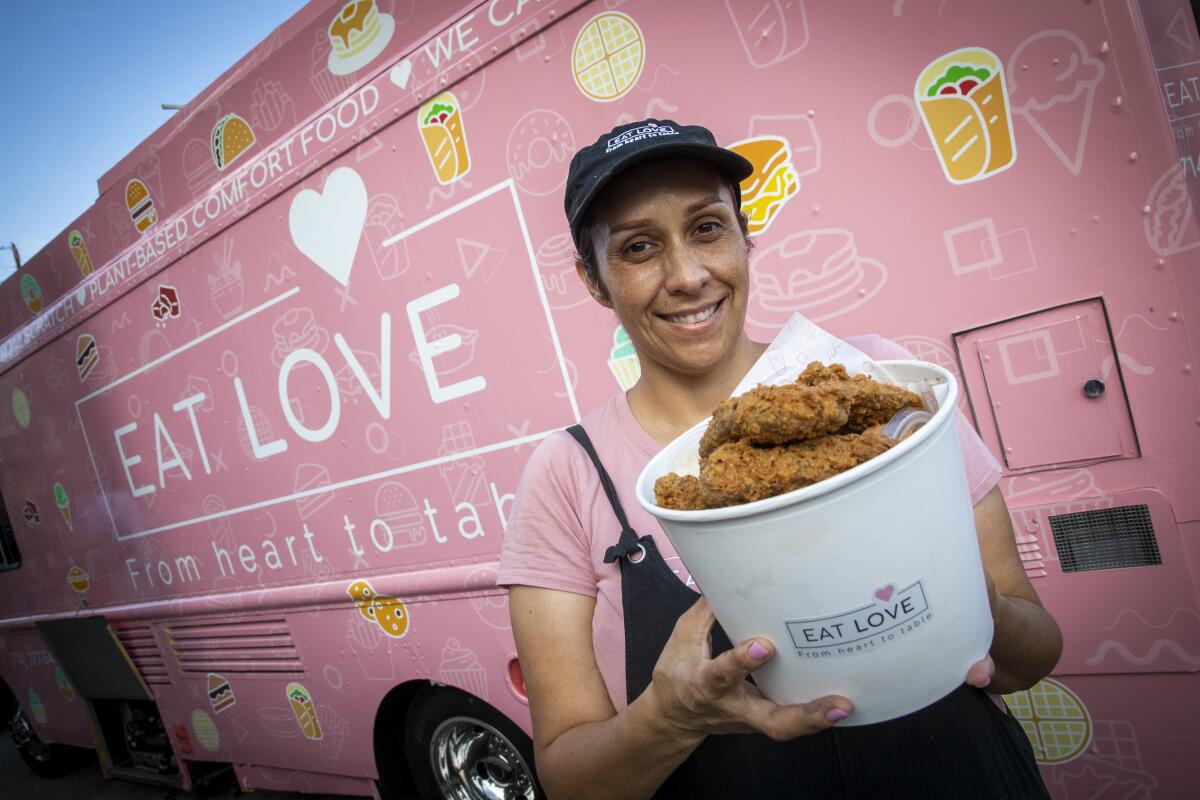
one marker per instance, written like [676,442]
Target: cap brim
[731,165]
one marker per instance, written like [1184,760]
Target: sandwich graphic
[357,34]
[141,205]
[445,140]
[80,252]
[86,354]
[964,103]
[231,137]
[220,693]
[303,710]
[30,512]
[608,56]
[772,183]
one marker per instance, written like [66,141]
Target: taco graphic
[231,137]
[964,103]
[445,140]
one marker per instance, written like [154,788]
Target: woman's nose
[685,269]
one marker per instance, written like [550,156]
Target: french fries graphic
[964,103]
[445,140]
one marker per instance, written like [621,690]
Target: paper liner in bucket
[869,583]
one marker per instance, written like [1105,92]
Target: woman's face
[672,263]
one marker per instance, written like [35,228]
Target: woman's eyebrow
[641,223]
[624,226]
[708,201]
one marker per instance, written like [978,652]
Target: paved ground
[18,783]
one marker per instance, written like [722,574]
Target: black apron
[962,746]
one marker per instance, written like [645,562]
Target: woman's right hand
[698,695]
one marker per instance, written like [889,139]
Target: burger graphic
[231,137]
[141,205]
[772,183]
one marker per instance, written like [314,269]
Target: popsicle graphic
[623,360]
[63,502]
[445,139]
[304,710]
[964,103]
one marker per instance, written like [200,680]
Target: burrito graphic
[623,360]
[445,140]
[80,252]
[304,710]
[964,102]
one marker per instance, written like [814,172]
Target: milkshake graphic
[36,708]
[623,360]
[445,140]
[304,710]
[964,103]
[80,252]
[63,502]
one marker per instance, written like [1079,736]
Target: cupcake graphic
[623,360]
[461,668]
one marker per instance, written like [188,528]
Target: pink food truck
[264,405]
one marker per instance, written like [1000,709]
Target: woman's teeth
[692,319]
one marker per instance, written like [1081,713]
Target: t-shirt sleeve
[544,543]
[983,471]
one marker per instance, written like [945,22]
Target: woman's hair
[586,254]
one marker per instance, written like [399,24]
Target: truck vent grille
[147,658]
[1109,538]
[259,646]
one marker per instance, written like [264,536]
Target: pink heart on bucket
[886,592]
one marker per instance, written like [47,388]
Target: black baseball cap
[636,143]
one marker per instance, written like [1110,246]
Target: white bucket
[869,583]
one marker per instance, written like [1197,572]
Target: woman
[627,697]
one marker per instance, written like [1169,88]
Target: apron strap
[629,543]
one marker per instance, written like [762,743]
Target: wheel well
[8,704]
[394,776]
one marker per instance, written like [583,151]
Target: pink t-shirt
[562,523]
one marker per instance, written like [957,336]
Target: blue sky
[81,85]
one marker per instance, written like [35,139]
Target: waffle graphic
[1055,720]
[608,56]
[964,103]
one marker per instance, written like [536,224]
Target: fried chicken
[739,472]
[774,439]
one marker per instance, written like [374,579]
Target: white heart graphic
[401,73]
[81,296]
[327,226]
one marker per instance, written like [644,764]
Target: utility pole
[16,253]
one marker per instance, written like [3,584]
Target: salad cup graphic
[445,140]
[964,103]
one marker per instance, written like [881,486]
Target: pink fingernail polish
[757,652]
[836,715]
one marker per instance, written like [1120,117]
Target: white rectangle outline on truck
[541,291]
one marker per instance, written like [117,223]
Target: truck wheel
[461,748]
[45,760]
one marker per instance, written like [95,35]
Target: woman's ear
[594,286]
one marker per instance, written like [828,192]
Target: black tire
[457,745]
[46,760]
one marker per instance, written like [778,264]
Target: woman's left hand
[980,673]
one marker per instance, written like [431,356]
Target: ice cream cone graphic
[1054,91]
[63,502]
[80,252]
[304,710]
[623,360]
[964,103]
[445,139]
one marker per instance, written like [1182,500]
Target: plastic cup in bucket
[869,583]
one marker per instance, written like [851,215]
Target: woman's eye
[637,248]
[708,227]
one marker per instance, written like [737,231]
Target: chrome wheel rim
[25,737]
[474,761]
